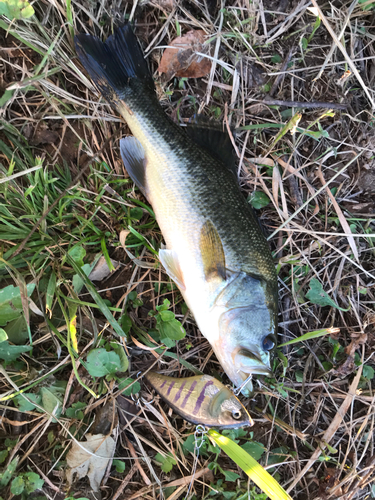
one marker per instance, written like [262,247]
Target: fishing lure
[201,400]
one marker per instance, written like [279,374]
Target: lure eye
[268,343]
[236,414]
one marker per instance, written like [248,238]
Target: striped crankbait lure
[201,400]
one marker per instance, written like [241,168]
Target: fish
[216,251]
[201,399]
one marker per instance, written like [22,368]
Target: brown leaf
[357,340]
[182,60]
[90,458]
[348,366]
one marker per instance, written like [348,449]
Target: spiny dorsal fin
[170,262]
[133,156]
[214,140]
[212,252]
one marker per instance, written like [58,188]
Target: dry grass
[316,417]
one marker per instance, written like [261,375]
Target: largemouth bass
[201,400]
[216,252]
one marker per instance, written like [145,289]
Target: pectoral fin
[170,261]
[212,252]
[134,158]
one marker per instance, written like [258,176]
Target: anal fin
[134,158]
[170,262]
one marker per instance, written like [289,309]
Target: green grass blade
[95,295]
[255,471]
[312,335]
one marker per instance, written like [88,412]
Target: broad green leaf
[120,465]
[165,305]
[77,281]
[77,253]
[24,405]
[136,213]
[6,475]
[17,330]
[101,363]
[3,335]
[126,323]
[168,326]
[33,482]
[312,335]
[10,302]
[120,351]
[11,352]
[76,410]
[17,486]
[368,372]
[166,462]
[3,455]
[277,455]
[250,466]
[50,402]
[316,295]
[133,389]
[230,476]
[254,449]
[8,94]
[258,199]
[16,9]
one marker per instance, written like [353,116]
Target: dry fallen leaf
[349,366]
[182,60]
[91,463]
[101,270]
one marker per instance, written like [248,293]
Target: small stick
[281,74]
[126,481]
[301,104]
[137,464]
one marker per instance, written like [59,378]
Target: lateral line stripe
[201,397]
[188,394]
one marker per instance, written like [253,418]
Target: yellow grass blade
[255,471]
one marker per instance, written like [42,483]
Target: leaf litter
[181,58]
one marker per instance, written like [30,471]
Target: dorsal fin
[212,252]
[216,141]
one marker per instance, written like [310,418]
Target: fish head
[246,340]
[227,411]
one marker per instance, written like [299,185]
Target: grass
[314,428]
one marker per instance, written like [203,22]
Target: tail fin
[115,63]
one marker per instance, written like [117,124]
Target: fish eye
[236,414]
[268,343]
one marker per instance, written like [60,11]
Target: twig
[126,481]
[330,432]
[137,464]
[332,49]
[216,53]
[344,53]
[340,215]
[281,75]
[301,104]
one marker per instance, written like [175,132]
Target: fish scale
[214,242]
